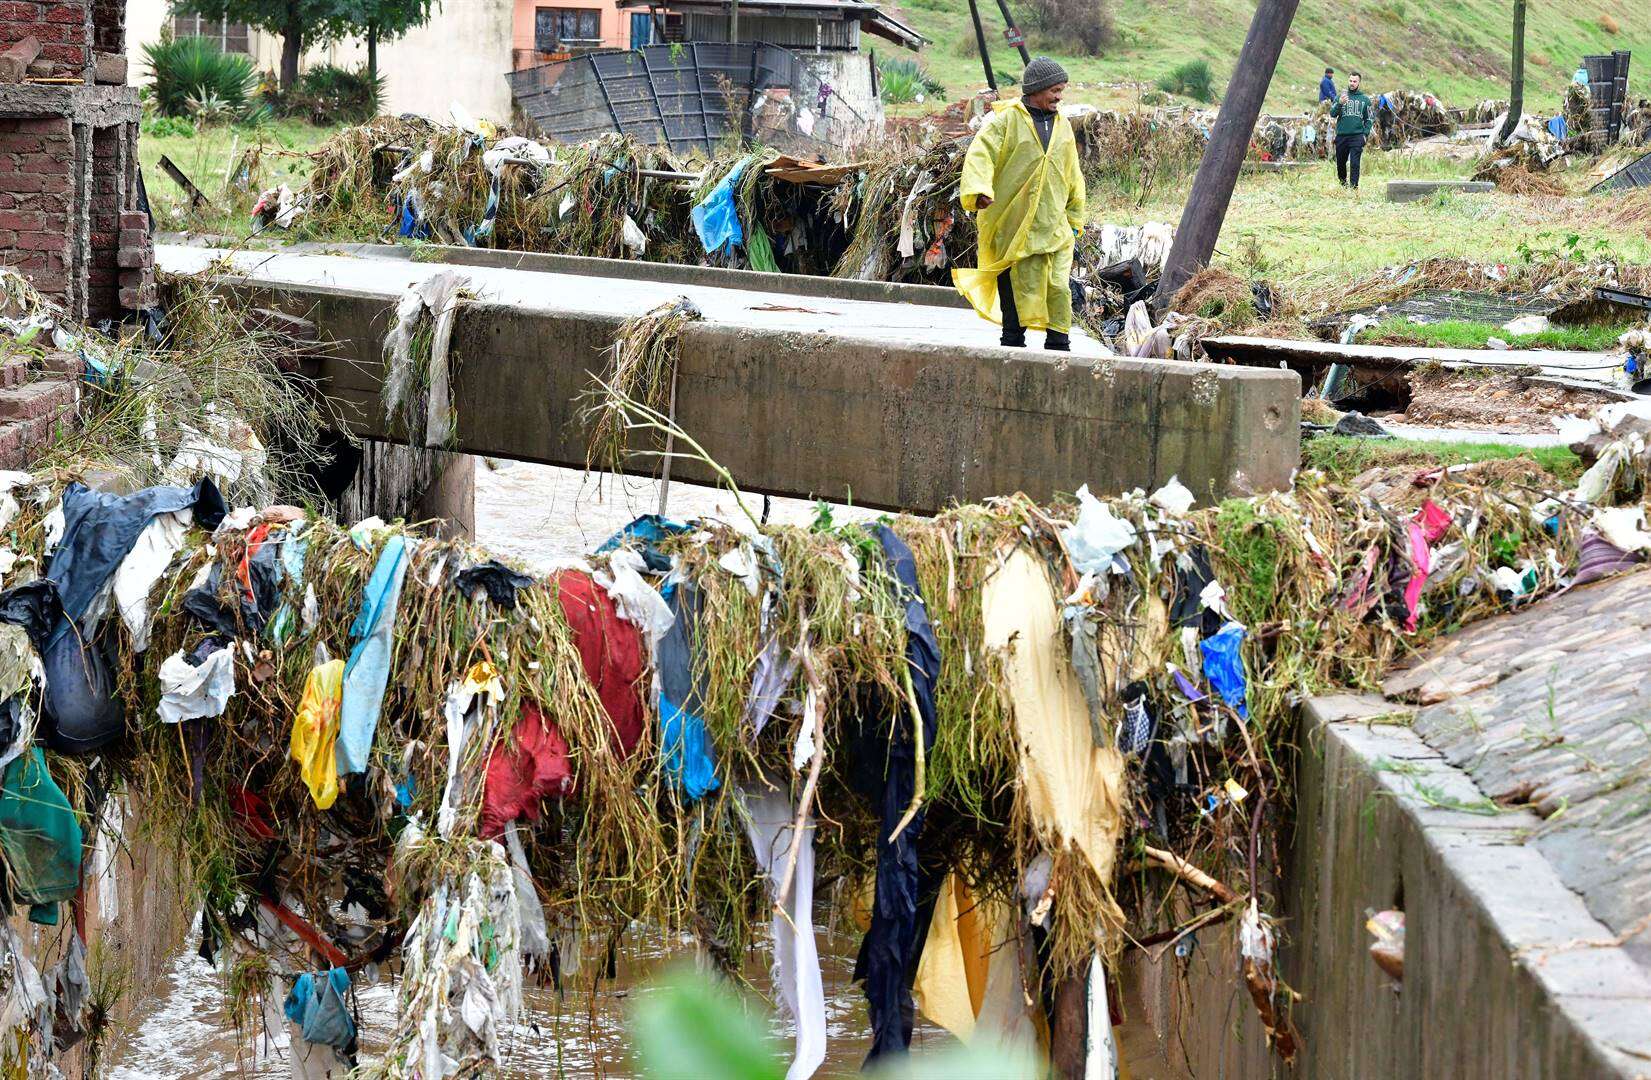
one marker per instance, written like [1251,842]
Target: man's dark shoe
[1057,341]
[1016,340]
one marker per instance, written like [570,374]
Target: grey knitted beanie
[1041,74]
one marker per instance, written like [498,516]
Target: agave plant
[193,70]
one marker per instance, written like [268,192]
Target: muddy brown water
[539,516]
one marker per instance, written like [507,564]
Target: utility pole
[1212,188]
[734,22]
[980,40]
[1016,38]
[1516,92]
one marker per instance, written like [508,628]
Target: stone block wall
[70,212]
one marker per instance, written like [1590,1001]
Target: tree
[382,20]
[1516,93]
[307,22]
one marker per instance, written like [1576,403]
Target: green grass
[1457,49]
[1344,458]
[1302,231]
[205,157]
[1459,334]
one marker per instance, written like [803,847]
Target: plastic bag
[1096,536]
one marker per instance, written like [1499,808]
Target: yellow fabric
[968,979]
[951,974]
[1037,200]
[1073,788]
[315,732]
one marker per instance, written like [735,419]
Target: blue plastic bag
[716,219]
[1224,666]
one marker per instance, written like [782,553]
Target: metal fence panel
[689,96]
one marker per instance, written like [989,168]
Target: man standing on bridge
[1021,176]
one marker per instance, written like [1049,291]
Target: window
[230,36]
[556,27]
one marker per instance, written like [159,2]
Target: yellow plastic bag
[315,732]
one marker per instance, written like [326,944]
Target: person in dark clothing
[1354,114]
[1327,87]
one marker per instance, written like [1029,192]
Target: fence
[689,96]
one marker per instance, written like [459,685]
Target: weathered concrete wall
[1506,972]
[910,427]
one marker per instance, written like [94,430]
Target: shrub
[1056,25]
[1191,79]
[906,80]
[168,127]
[327,94]
[194,69]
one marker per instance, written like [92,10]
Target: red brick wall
[63,28]
[109,26]
[37,159]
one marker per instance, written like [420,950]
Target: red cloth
[524,770]
[534,764]
[612,652]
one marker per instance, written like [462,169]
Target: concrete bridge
[884,395]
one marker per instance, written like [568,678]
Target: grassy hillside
[1456,48]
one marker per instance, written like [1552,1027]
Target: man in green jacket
[1353,114]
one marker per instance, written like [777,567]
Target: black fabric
[80,710]
[1349,152]
[83,711]
[1188,609]
[1043,122]
[1056,341]
[1014,335]
[887,959]
[99,530]
[1128,277]
[11,719]
[500,581]
[243,613]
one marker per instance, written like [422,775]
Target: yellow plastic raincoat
[315,732]
[1037,202]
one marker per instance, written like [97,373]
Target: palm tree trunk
[1516,93]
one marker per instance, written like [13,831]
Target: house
[827,35]
[464,52]
[461,55]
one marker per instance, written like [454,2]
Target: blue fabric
[648,530]
[1327,89]
[1557,128]
[368,670]
[683,738]
[100,529]
[1224,666]
[317,1007]
[888,954]
[716,219]
[293,550]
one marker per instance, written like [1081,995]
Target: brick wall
[37,162]
[109,26]
[63,28]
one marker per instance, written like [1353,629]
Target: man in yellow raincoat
[1021,175]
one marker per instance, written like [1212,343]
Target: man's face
[1353,82]
[1047,99]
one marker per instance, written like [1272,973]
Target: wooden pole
[1212,188]
[1516,92]
[1020,38]
[980,40]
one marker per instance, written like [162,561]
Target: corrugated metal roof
[872,18]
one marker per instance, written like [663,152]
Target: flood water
[538,516]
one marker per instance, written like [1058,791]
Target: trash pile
[1403,116]
[374,753]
